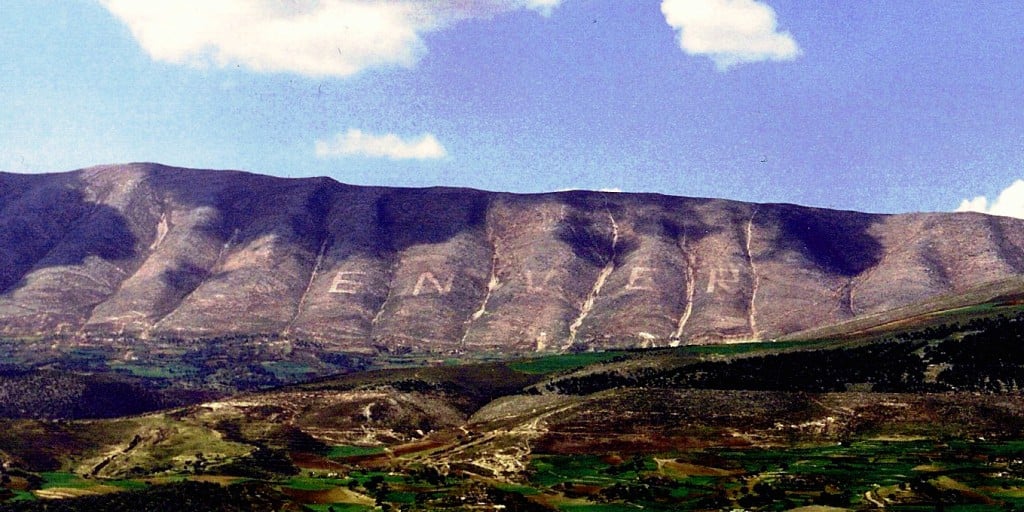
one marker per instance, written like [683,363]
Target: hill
[148,252]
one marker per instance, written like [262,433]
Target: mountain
[154,252]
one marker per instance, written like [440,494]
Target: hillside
[145,251]
[919,419]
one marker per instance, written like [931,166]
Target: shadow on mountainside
[589,231]
[249,206]
[306,220]
[47,221]
[838,242]
[52,224]
[407,217]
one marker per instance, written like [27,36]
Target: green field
[23,496]
[288,371]
[599,507]
[339,507]
[548,471]
[148,371]
[62,479]
[960,475]
[315,484]
[561,363]
[341,451]
[732,349]
[520,489]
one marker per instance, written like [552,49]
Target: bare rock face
[150,251]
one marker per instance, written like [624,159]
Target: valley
[906,420]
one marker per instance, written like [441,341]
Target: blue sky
[868,105]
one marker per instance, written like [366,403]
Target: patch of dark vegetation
[57,225]
[293,439]
[38,446]
[592,241]
[67,379]
[990,357]
[513,501]
[466,387]
[887,367]
[985,354]
[185,277]
[262,463]
[192,496]
[58,395]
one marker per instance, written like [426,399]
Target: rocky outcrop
[151,251]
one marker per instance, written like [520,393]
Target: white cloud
[307,37]
[544,7]
[1010,202]
[729,32]
[356,143]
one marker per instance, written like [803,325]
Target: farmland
[913,420]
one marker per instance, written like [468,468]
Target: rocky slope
[152,251]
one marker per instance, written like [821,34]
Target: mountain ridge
[152,251]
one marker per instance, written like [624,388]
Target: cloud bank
[356,143]
[729,32]
[1009,203]
[313,38]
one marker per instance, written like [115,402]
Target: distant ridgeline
[144,251]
